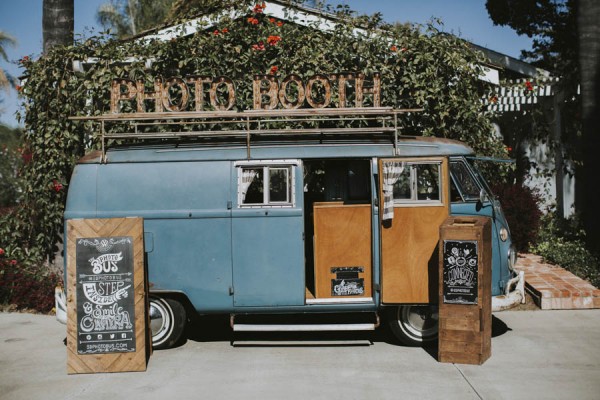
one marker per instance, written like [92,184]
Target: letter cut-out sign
[269,92]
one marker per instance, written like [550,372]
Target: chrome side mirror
[483,196]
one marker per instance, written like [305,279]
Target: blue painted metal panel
[81,201]
[268,252]
[193,256]
[268,258]
[185,209]
[178,186]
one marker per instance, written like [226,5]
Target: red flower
[18,88]
[56,185]
[260,46]
[216,32]
[26,155]
[509,148]
[1,251]
[394,48]
[274,69]
[272,20]
[494,99]
[253,21]
[25,59]
[13,262]
[403,49]
[279,23]
[273,40]
[224,30]
[259,8]
[528,86]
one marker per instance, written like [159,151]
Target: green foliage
[553,27]
[128,18]
[6,80]
[420,67]
[11,159]
[562,242]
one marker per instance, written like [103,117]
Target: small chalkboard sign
[460,270]
[105,295]
[347,281]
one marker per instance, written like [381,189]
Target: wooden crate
[465,301]
[106,284]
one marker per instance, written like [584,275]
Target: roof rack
[250,124]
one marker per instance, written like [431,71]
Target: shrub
[26,288]
[520,205]
[562,242]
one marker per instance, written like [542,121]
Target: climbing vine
[420,67]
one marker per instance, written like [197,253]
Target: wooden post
[465,309]
[107,306]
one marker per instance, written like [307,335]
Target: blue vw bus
[268,220]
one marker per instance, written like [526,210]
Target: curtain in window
[392,170]
[248,176]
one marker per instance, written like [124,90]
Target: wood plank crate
[465,301]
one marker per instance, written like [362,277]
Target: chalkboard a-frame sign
[107,329]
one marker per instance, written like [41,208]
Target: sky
[468,19]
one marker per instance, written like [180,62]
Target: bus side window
[266,186]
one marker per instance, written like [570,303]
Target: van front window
[464,185]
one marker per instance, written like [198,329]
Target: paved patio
[554,288]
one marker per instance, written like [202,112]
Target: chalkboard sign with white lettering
[105,295]
[460,269]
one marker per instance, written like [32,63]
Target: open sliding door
[414,202]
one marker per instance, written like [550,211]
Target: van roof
[408,146]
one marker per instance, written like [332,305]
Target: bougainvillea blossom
[529,86]
[56,185]
[273,40]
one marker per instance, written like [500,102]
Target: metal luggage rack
[244,126]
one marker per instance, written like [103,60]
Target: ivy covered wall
[420,67]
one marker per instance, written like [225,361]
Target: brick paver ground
[554,288]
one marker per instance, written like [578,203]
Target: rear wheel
[414,325]
[167,322]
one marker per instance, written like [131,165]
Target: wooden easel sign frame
[107,329]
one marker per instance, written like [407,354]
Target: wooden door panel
[409,246]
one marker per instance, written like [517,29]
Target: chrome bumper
[60,305]
[511,298]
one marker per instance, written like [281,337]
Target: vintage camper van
[263,220]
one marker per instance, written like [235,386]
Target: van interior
[337,223]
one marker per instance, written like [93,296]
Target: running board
[305,327]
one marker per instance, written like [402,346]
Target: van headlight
[503,234]
[512,258]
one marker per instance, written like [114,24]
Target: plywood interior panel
[342,238]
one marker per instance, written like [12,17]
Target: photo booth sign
[107,329]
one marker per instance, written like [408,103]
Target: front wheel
[167,322]
[414,325]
